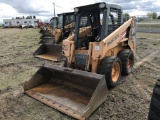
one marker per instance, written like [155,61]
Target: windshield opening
[53,23]
[69,19]
[60,21]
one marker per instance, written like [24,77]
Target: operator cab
[97,21]
[53,22]
[65,21]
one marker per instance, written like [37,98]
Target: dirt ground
[128,101]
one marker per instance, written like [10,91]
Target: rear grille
[81,59]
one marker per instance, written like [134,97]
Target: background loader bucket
[47,40]
[49,52]
[43,31]
[73,92]
[42,36]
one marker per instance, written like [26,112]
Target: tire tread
[154,109]
[105,68]
[124,55]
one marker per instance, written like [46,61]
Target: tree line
[148,16]
[152,15]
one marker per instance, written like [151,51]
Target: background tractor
[51,48]
[48,32]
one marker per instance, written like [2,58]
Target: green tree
[34,17]
[149,15]
[152,15]
[158,17]
[126,16]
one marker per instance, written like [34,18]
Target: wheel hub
[129,63]
[115,71]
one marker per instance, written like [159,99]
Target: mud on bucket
[74,92]
[49,52]
[47,40]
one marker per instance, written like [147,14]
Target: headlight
[76,10]
[102,5]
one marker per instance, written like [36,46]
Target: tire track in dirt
[137,88]
[147,58]
[152,66]
[138,64]
[124,102]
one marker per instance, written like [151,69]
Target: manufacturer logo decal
[123,35]
[110,42]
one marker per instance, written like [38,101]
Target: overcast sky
[44,8]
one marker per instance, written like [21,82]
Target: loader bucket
[43,36]
[51,52]
[43,31]
[74,92]
[46,33]
[47,40]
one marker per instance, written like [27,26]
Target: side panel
[113,39]
[68,48]
[96,50]
[132,36]
[111,45]
[58,33]
[114,51]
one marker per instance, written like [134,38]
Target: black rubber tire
[65,61]
[154,110]
[124,56]
[106,69]
[60,40]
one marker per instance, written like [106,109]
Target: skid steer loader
[51,48]
[48,31]
[43,28]
[99,50]
[61,29]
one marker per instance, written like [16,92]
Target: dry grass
[151,26]
[149,35]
